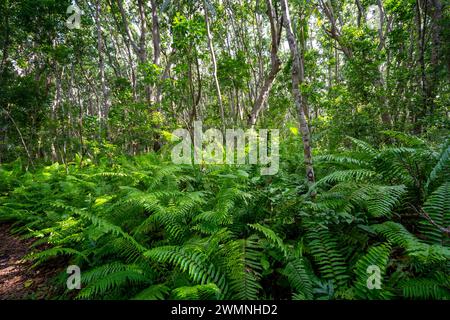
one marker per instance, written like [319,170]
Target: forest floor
[17,279]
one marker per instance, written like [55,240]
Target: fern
[244,270]
[442,168]
[193,262]
[347,175]
[405,138]
[378,257]
[437,209]
[200,292]
[42,256]
[424,288]
[154,292]
[300,278]
[398,235]
[271,236]
[364,146]
[324,248]
[112,281]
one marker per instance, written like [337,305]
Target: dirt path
[17,280]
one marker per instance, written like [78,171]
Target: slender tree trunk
[140,50]
[334,32]
[104,109]
[275,31]
[155,34]
[164,76]
[30,158]
[421,20]
[6,41]
[385,115]
[214,63]
[361,13]
[156,39]
[436,48]
[300,102]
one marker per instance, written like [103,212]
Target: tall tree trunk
[334,32]
[140,50]
[165,75]
[380,82]
[421,20]
[156,39]
[300,102]
[104,109]
[275,31]
[214,62]
[436,48]
[6,41]
[361,13]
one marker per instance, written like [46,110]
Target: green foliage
[327,256]
[425,289]
[377,256]
[437,208]
[416,249]
[143,228]
[300,278]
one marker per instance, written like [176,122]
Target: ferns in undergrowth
[416,249]
[426,288]
[107,280]
[153,292]
[327,255]
[199,292]
[436,210]
[441,171]
[300,278]
[370,271]
[144,228]
[242,260]
[191,261]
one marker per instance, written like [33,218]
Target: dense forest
[97,98]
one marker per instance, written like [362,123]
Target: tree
[298,76]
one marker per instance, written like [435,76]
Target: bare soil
[18,281]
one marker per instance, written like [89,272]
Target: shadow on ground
[18,280]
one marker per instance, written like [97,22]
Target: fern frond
[377,257]
[398,235]
[271,236]
[341,160]
[405,138]
[243,264]
[112,281]
[154,292]
[324,248]
[364,146]
[347,175]
[200,292]
[299,278]
[442,168]
[195,263]
[437,207]
[41,256]
[424,288]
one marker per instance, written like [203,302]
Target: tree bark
[104,109]
[334,31]
[300,102]
[361,13]
[156,39]
[275,31]
[140,51]
[214,62]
